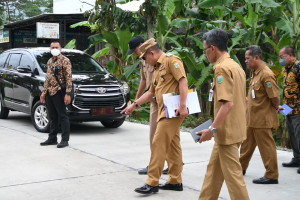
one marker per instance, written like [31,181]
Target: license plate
[103,111]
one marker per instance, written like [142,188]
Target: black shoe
[48,142]
[147,189]
[63,144]
[244,172]
[143,171]
[165,171]
[264,180]
[168,186]
[298,170]
[293,163]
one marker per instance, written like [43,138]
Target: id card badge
[253,92]
[211,95]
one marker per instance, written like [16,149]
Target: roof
[45,49]
[45,18]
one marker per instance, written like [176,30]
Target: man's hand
[280,108]
[42,98]
[206,135]
[182,111]
[130,108]
[67,99]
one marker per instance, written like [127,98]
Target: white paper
[211,95]
[172,103]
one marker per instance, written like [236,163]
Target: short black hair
[55,41]
[289,50]
[255,50]
[218,38]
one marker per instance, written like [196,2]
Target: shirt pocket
[162,74]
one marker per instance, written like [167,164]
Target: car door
[23,83]
[3,58]
[9,78]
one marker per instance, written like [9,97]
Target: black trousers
[293,125]
[58,114]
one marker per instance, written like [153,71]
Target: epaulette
[169,55]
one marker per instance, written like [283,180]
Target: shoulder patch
[176,65]
[269,84]
[220,79]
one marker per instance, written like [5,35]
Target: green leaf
[102,52]
[270,4]
[275,46]
[71,44]
[128,70]
[163,24]
[213,3]
[83,23]
[112,67]
[111,38]
[205,74]
[124,37]
[169,8]
[97,38]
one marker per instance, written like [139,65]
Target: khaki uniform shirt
[168,71]
[230,85]
[64,75]
[147,73]
[263,87]
[291,90]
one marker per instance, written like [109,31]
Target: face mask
[55,52]
[282,61]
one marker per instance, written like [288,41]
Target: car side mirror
[24,69]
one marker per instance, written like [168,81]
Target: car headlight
[124,87]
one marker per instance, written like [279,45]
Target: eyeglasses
[206,49]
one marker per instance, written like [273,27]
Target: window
[14,61]
[81,63]
[3,58]
[26,60]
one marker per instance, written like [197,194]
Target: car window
[81,63]
[14,61]
[26,60]
[3,58]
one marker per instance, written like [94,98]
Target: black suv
[98,95]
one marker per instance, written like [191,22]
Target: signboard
[25,36]
[4,36]
[47,30]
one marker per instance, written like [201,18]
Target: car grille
[88,96]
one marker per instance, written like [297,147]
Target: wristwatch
[136,104]
[213,130]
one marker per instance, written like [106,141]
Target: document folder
[199,128]
[286,110]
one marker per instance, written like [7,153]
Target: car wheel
[113,123]
[3,110]
[39,117]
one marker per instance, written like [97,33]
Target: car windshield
[81,63]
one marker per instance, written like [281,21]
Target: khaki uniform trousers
[263,138]
[166,146]
[224,165]
[153,121]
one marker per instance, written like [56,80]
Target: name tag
[211,95]
[253,94]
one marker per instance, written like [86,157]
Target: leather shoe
[147,189]
[298,170]
[63,144]
[48,142]
[293,163]
[244,172]
[165,171]
[168,186]
[264,180]
[143,171]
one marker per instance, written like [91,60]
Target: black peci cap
[134,43]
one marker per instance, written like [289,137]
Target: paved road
[102,164]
